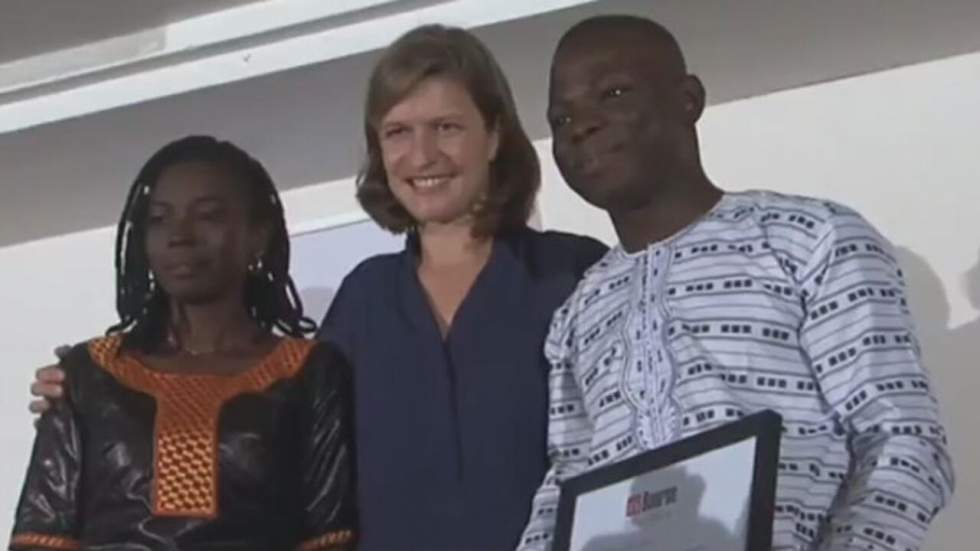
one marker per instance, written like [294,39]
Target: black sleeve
[47,515]
[589,252]
[328,477]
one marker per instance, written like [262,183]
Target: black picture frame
[765,427]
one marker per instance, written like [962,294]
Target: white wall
[899,146]
[902,147]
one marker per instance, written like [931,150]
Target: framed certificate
[713,491]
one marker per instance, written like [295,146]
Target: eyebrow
[196,200]
[442,116]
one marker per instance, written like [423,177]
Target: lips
[182,269]
[592,158]
[427,184]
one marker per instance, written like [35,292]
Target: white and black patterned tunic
[768,301]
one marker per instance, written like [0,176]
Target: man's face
[615,123]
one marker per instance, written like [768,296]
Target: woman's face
[437,149]
[200,238]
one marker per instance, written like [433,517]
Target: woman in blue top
[445,338]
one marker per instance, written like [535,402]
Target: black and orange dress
[138,459]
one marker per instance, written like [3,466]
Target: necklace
[178,346]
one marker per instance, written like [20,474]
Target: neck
[205,328]
[669,209]
[446,245]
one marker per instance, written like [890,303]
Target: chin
[195,295]
[612,192]
[594,195]
[440,216]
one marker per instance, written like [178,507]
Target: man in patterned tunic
[716,305]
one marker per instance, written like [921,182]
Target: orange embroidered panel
[185,481]
[326,541]
[43,540]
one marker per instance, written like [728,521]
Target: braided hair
[270,294]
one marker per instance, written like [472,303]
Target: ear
[259,238]
[692,98]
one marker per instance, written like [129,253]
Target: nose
[181,231]
[424,149]
[585,123]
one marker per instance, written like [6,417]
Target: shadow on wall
[952,356]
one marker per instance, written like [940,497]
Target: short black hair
[270,294]
[627,26]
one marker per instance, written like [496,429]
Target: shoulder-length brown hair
[453,53]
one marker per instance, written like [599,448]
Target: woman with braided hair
[203,419]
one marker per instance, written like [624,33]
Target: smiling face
[436,149]
[199,235]
[619,118]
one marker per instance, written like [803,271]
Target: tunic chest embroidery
[185,477]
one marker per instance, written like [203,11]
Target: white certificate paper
[674,509]
[713,491]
